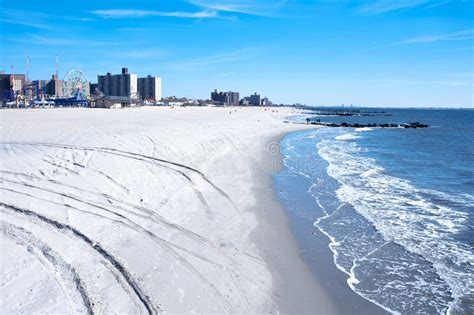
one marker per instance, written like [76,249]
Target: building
[255,100]
[266,102]
[218,97]
[124,84]
[232,98]
[11,85]
[94,88]
[112,102]
[252,100]
[149,88]
[54,87]
[15,82]
[40,88]
[245,101]
[225,98]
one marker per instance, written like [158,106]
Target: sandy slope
[142,211]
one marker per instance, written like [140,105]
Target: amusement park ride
[75,91]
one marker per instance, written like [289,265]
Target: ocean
[396,205]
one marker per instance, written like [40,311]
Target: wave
[363,129]
[372,172]
[413,246]
[346,137]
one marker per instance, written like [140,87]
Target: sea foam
[404,216]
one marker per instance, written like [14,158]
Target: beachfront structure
[54,87]
[14,82]
[11,86]
[266,102]
[218,97]
[232,98]
[40,88]
[76,85]
[124,84]
[112,102]
[252,100]
[255,100]
[94,88]
[225,98]
[17,83]
[149,88]
[47,88]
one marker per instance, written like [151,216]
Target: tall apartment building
[232,98]
[255,100]
[124,84]
[218,97]
[149,88]
[54,87]
[225,98]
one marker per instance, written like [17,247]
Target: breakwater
[412,125]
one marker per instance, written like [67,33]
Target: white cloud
[248,8]
[63,42]
[32,19]
[129,13]
[26,23]
[238,55]
[460,35]
[39,20]
[384,6]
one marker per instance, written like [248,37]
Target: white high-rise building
[124,84]
[149,88]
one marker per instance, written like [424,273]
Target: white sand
[146,210]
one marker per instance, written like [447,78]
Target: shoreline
[294,288]
[300,285]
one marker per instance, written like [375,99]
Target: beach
[183,237]
[150,210]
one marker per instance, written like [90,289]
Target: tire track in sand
[63,273]
[132,155]
[166,245]
[144,299]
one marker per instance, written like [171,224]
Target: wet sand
[306,281]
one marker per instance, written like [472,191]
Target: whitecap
[371,172]
[402,213]
[346,137]
[364,129]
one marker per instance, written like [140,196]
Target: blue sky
[372,52]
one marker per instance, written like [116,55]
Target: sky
[394,53]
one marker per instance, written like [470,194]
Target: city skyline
[368,53]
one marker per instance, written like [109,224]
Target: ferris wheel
[76,85]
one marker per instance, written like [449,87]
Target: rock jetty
[411,125]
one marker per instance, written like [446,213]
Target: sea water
[396,205]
